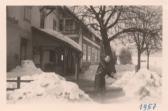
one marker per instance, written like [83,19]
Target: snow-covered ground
[128,86]
[45,87]
[144,85]
[155,63]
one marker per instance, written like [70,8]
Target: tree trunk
[107,51]
[148,60]
[104,68]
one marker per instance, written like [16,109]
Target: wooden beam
[76,69]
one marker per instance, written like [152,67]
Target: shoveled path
[86,83]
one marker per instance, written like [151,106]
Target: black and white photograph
[94,54]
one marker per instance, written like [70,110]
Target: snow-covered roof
[61,37]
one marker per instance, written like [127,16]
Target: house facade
[87,38]
[53,37]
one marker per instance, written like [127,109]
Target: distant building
[53,37]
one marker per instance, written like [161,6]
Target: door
[23,49]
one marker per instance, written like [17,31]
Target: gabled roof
[83,23]
[61,37]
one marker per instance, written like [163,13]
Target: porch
[54,52]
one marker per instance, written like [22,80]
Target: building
[19,38]
[52,36]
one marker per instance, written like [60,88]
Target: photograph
[89,54]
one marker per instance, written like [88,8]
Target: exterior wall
[13,45]
[90,53]
[35,16]
[17,28]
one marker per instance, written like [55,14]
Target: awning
[61,37]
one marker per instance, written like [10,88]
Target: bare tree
[153,44]
[153,41]
[145,18]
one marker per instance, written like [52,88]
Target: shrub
[125,56]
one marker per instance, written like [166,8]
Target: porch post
[65,60]
[76,68]
[41,57]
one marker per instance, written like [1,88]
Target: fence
[18,82]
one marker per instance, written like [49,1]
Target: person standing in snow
[102,71]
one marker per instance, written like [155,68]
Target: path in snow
[86,83]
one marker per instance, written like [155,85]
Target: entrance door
[23,49]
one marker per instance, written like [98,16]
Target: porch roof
[61,37]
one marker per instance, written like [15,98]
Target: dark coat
[103,70]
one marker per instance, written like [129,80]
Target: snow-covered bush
[125,56]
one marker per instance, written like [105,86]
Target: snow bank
[27,68]
[45,88]
[143,85]
[124,79]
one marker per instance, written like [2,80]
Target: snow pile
[27,68]
[124,79]
[143,85]
[47,88]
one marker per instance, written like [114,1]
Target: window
[89,53]
[61,25]
[69,25]
[62,57]
[84,52]
[98,55]
[23,48]
[93,54]
[27,13]
[42,19]
[54,24]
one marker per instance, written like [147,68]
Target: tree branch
[126,31]
[95,26]
[96,14]
[115,22]
[109,17]
[103,12]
